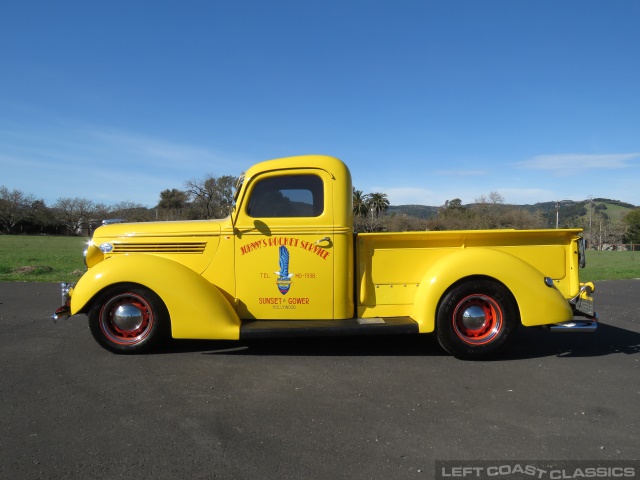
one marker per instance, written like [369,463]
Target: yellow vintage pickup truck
[286,262]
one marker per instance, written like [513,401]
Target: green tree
[173,199]
[632,220]
[455,204]
[173,205]
[40,216]
[451,216]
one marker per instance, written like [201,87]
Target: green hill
[570,213]
[419,211]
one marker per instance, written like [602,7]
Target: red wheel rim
[126,319]
[477,319]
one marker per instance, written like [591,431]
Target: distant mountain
[569,211]
[418,211]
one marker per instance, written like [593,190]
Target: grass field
[41,258]
[611,265]
[59,259]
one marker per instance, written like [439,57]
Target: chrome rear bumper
[578,326]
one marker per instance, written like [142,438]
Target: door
[284,240]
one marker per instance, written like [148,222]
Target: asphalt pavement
[334,408]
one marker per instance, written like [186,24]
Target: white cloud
[141,147]
[103,164]
[574,162]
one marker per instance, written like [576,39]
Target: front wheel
[476,319]
[129,319]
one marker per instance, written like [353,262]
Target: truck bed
[391,266]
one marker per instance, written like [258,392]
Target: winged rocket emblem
[284,277]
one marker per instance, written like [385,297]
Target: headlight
[93,255]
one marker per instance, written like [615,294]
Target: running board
[328,328]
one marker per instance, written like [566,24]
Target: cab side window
[287,196]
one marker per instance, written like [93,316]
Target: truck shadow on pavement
[379,345]
[528,343]
[607,340]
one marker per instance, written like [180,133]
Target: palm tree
[360,206]
[378,202]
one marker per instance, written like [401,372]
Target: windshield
[239,183]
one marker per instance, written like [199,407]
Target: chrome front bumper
[64,311]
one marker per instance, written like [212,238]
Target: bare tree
[405,223]
[606,232]
[487,213]
[132,212]
[370,223]
[496,199]
[76,213]
[213,196]
[14,207]
[519,218]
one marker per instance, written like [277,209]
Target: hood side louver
[173,247]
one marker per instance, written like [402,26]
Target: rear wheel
[476,319]
[129,319]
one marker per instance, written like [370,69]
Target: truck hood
[195,228]
[193,244]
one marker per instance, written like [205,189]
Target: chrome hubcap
[474,318]
[128,317]
[477,320]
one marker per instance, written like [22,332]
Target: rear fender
[197,309]
[538,304]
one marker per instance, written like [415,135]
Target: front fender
[538,304]
[197,309]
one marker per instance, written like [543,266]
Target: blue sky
[426,101]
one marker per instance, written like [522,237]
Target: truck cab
[293,230]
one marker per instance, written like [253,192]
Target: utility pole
[590,214]
[600,237]
[558,203]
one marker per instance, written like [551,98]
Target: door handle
[325,239]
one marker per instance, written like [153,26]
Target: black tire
[129,319]
[476,319]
